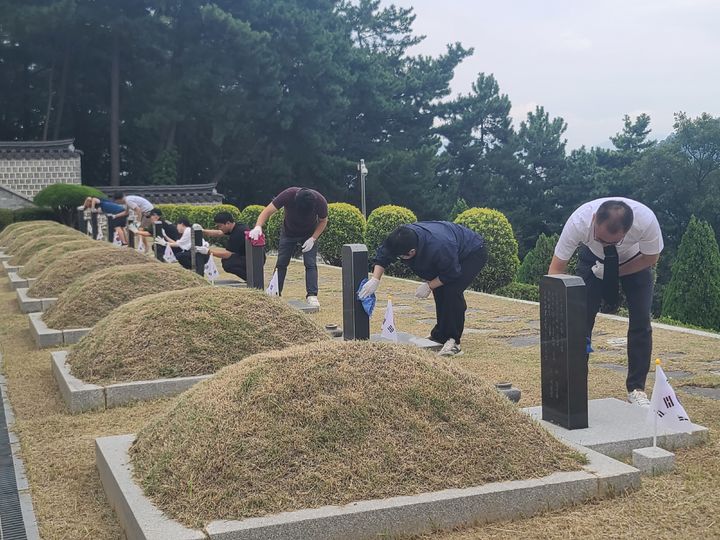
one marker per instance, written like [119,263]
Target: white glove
[369,288]
[111,216]
[599,270]
[255,233]
[203,250]
[423,291]
[308,245]
[133,228]
[160,241]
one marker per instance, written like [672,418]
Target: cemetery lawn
[501,345]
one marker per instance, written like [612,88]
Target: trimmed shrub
[537,261]
[346,225]
[250,213]
[693,294]
[65,198]
[521,291]
[205,215]
[273,227]
[6,218]
[380,223]
[36,213]
[503,261]
[173,212]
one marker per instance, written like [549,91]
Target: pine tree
[537,261]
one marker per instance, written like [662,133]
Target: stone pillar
[356,323]
[159,250]
[197,241]
[254,263]
[563,351]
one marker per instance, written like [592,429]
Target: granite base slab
[5,256]
[229,283]
[616,428]
[80,396]
[408,339]
[653,460]
[50,337]
[7,267]
[17,282]
[397,516]
[303,306]
[32,305]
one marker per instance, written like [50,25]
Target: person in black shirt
[232,257]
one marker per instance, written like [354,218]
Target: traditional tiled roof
[38,149]
[174,194]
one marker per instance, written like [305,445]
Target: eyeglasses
[604,242]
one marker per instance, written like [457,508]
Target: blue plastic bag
[368,303]
[589,348]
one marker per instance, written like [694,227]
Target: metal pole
[363,174]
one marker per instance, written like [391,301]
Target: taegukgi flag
[169,255]
[116,239]
[211,271]
[389,331]
[274,288]
[665,405]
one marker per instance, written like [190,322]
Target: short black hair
[305,200]
[156,212]
[617,214]
[401,241]
[224,217]
[183,221]
[118,195]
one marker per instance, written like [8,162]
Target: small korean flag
[116,239]
[88,228]
[169,256]
[665,405]
[389,330]
[274,288]
[100,235]
[211,271]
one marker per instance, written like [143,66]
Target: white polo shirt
[643,237]
[134,202]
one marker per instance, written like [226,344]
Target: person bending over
[232,257]
[116,215]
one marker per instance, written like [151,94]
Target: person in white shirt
[620,241]
[139,206]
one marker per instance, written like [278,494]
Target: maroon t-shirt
[298,224]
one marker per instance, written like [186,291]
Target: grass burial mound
[187,333]
[59,275]
[92,297]
[14,229]
[25,252]
[332,423]
[17,241]
[43,258]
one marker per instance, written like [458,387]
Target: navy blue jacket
[442,246]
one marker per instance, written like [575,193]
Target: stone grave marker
[356,323]
[564,358]
[255,263]
[197,241]
[157,248]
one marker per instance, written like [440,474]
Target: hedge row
[33,213]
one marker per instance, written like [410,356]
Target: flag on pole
[211,271]
[274,288]
[116,239]
[100,235]
[141,244]
[88,227]
[665,406]
[389,331]
[169,256]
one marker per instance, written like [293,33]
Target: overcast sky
[590,62]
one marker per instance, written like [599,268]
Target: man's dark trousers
[236,264]
[638,289]
[287,247]
[450,305]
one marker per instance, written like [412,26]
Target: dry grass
[92,297]
[185,333]
[333,423]
[43,258]
[60,274]
[17,241]
[23,254]
[57,447]
[15,229]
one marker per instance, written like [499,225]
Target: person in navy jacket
[447,257]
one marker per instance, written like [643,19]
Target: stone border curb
[7,267]
[32,305]
[26,504]
[80,396]
[50,337]
[4,256]
[303,307]
[17,282]
[427,512]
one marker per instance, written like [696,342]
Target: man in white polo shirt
[140,206]
[620,241]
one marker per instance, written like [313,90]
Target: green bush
[6,218]
[503,262]
[537,261]
[202,214]
[35,213]
[380,223]
[272,229]
[346,225]
[249,214]
[522,291]
[65,198]
[693,294]
[458,208]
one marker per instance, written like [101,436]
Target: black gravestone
[159,250]
[110,230]
[80,223]
[356,323]
[94,225]
[130,238]
[197,241]
[563,351]
[254,265]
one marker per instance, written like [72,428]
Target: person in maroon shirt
[306,213]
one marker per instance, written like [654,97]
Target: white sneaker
[639,398]
[450,349]
[312,301]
